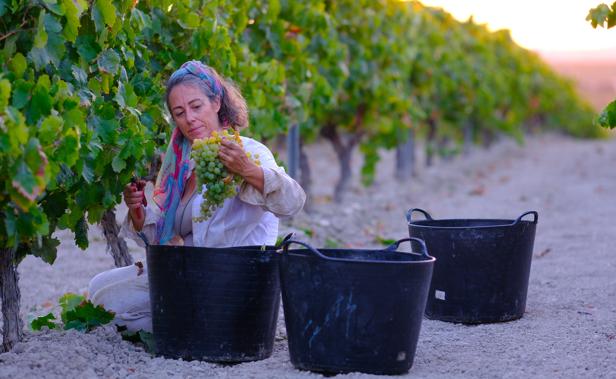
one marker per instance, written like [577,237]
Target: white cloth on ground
[124,291]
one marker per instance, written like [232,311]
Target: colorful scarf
[175,169]
[170,184]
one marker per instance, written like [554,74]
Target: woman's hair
[233,110]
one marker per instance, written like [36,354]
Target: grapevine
[219,182]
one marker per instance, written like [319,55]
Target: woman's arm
[148,227]
[274,190]
[134,195]
[140,220]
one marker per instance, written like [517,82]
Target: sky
[542,25]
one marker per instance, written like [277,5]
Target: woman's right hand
[134,197]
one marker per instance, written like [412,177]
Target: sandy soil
[569,329]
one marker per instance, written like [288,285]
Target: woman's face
[193,112]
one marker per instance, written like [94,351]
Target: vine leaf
[39,322]
[104,13]
[40,38]
[81,233]
[86,316]
[48,249]
[3,7]
[607,118]
[109,61]
[18,65]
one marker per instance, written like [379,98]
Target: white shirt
[250,218]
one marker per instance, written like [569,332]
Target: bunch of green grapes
[220,184]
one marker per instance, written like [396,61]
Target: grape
[220,184]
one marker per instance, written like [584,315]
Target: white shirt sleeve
[281,195]
[127,230]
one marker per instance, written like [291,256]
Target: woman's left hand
[235,160]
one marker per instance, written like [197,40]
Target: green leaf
[88,195]
[79,75]
[54,7]
[141,19]
[126,97]
[146,338]
[5,93]
[47,250]
[53,50]
[87,173]
[21,93]
[109,199]
[94,85]
[4,7]
[332,243]
[597,16]
[385,241]
[65,178]
[104,13]
[40,38]
[72,13]
[118,164]
[68,151]
[109,61]
[18,65]
[10,226]
[148,341]
[106,129]
[40,105]
[17,131]
[607,118]
[23,178]
[10,46]
[86,316]
[189,20]
[40,57]
[87,47]
[56,47]
[55,204]
[611,18]
[75,324]
[95,213]
[39,322]
[50,129]
[34,156]
[68,302]
[81,233]
[75,119]
[31,223]
[273,9]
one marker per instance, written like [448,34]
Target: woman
[200,102]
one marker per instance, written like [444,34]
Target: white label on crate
[439,294]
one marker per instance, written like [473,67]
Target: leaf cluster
[77,313]
[602,15]
[605,16]
[82,89]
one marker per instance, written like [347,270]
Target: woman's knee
[112,276]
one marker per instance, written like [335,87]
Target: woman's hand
[134,196]
[235,160]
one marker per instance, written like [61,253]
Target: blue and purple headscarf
[175,169]
[201,71]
